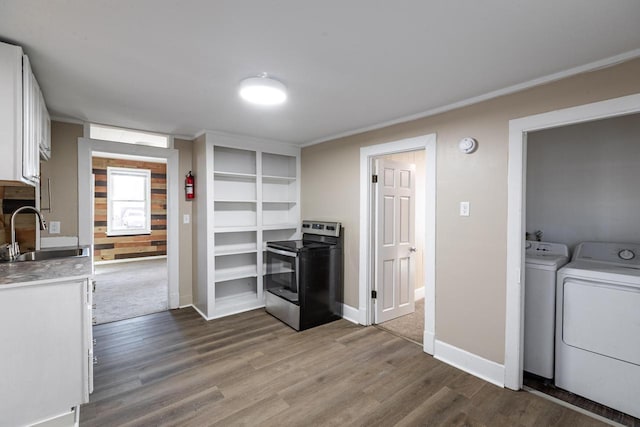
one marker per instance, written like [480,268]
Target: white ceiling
[174,66]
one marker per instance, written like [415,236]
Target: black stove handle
[281,252]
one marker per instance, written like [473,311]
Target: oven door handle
[281,252]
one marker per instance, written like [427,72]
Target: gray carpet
[410,326]
[130,289]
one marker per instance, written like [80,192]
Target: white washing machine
[542,261]
[598,325]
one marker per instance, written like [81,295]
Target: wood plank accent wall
[136,246]
[12,198]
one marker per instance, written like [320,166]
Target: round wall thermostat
[468,145]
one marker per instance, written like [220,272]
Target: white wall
[583,181]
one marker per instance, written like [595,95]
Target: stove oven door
[282,274]
[282,286]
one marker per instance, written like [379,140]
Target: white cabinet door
[10,113]
[43,362]
[23,118]
[31,113]
[89,338]
[45,131]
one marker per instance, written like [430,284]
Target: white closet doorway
[425,233]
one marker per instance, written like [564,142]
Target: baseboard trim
[429,339]
[187,300]
[473,364]
[123,260]
[348,313]
[65,419]
[419,293]
[351,314]
[198,311]
[362,315]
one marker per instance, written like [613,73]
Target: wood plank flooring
[174,368]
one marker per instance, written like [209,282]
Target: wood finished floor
[174,368]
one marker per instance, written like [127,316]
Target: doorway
[581,186]
[129,236]
[87,148]
[398,243]
[516,213]
[425,144]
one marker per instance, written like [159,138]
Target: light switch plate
[186,219]
[464,208]
[54,227]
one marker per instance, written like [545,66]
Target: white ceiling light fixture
[263,90]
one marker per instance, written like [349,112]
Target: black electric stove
[304,278]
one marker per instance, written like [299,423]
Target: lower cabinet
[46,356]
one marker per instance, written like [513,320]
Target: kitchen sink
[53,254]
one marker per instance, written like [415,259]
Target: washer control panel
[534,248]
[623,254]
[626,254]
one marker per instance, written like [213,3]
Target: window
[128,201]
[127,136]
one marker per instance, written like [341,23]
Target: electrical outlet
[464,208]
[54,227]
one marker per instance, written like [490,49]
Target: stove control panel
[322,228]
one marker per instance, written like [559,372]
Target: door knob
[413,249]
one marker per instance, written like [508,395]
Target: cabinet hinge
[374,179]
[374,294]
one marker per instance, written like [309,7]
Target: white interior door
[394,239]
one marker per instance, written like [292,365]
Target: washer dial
[626,254]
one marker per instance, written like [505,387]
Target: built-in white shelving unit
[247,193]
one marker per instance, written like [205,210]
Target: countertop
[34,272]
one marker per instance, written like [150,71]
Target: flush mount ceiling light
[263,90]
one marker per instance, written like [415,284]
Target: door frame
[365,309]
[86,148]
[516,212]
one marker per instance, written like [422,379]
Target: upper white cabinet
[25,130]
[247,193]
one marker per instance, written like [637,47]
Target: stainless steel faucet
[14,249]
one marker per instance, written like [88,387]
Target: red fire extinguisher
[189,183]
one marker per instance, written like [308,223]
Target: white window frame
[145,173]
[127,136]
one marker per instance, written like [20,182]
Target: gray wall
[62,169]
[583,181]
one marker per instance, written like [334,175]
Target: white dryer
[598,325]
[542,261]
